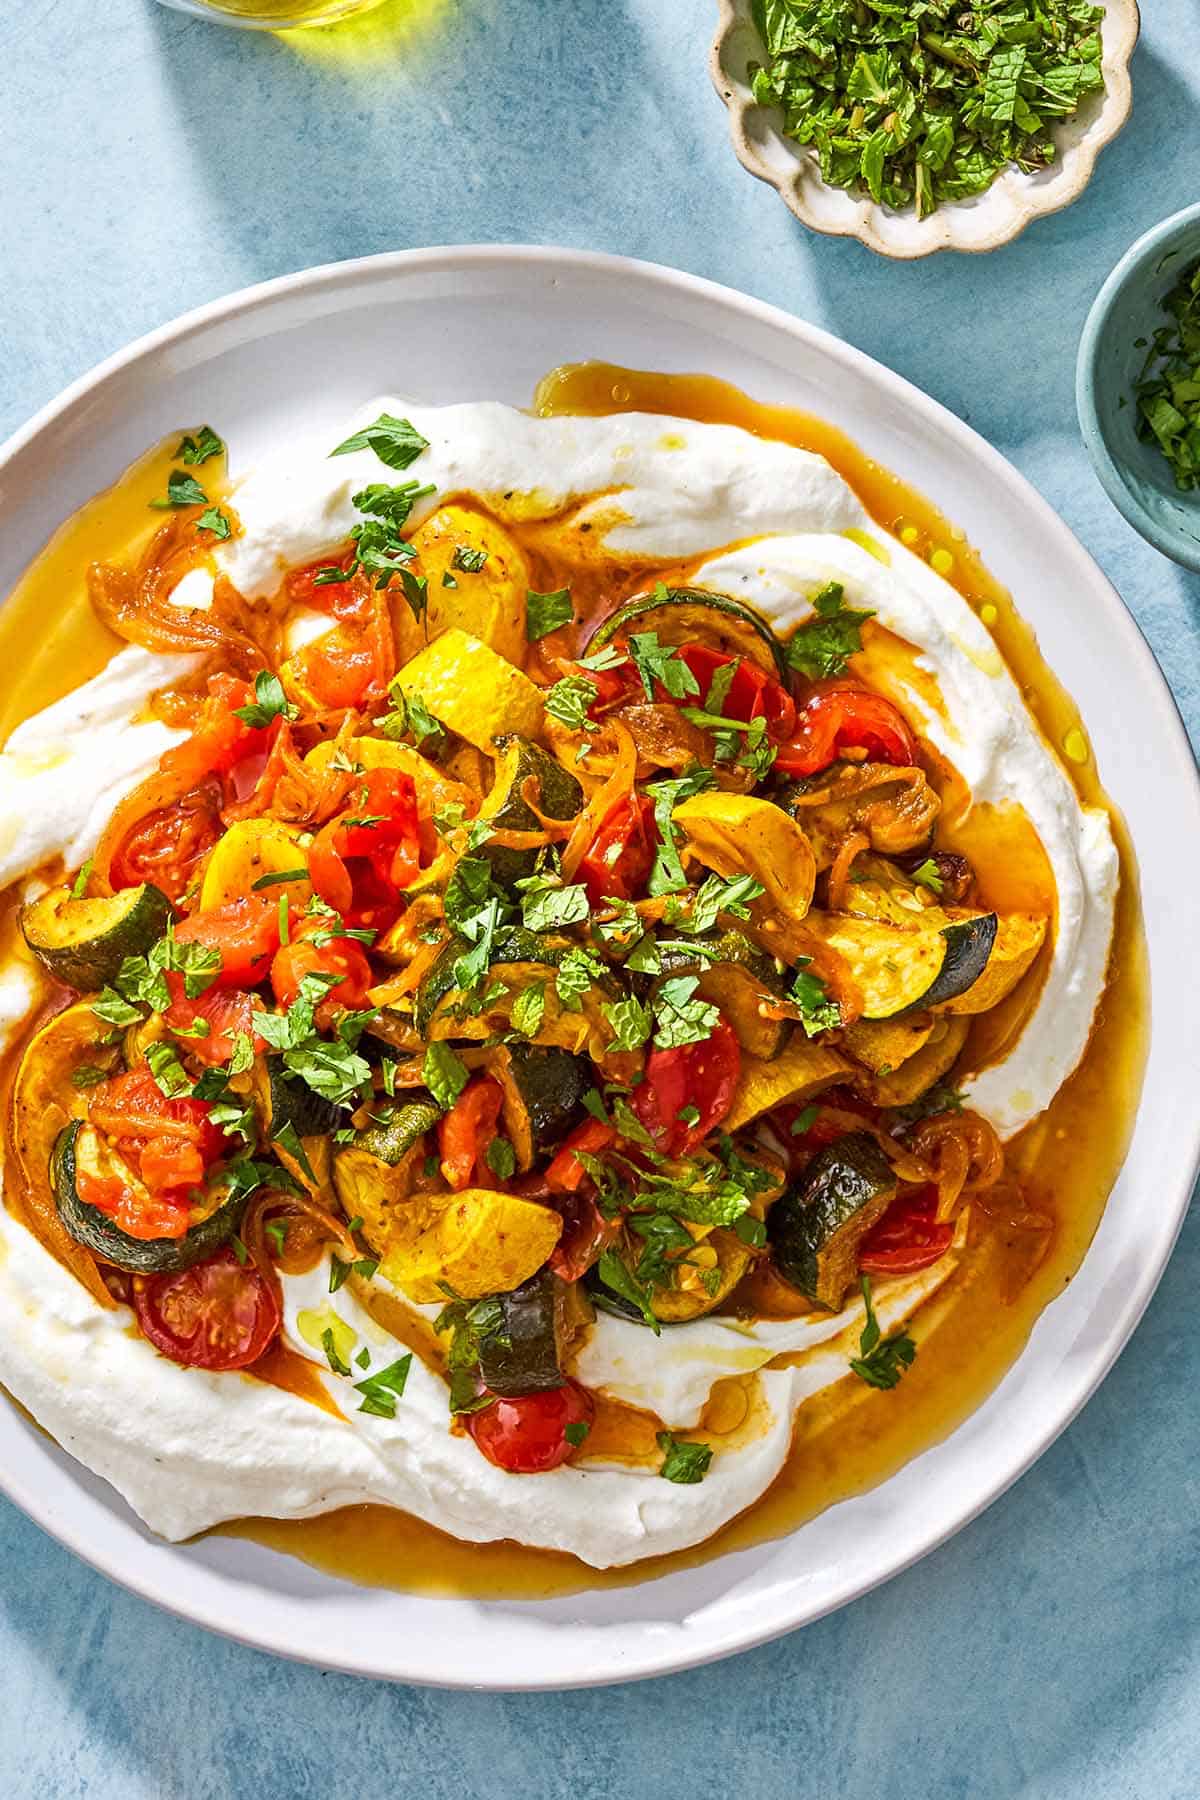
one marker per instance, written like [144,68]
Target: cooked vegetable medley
[522,962]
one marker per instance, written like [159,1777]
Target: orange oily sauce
[850,1437]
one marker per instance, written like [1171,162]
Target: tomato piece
[618,862]
[220,739]
[702,1076]
[465,1132]
[528,1435]
[245,934]
[133,1105]
[565,1172]
[340,669]
[138,1215]
[908,1237]
[752,694]
[215,1315]
[585,1234]
[226,1011]
[823,1129]
[834,719]
[340,956]
[168,844]
[361,862]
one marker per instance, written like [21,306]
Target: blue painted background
[150,162]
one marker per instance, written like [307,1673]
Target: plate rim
[721,1640]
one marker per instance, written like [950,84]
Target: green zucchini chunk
[898,968]
[83,943]
[543,1095]
[395,1125]
[816,1228]
[523,1356]
[512,944]
[744,981]
[557,795]
[286,1102]
[694,616]
[79,1147]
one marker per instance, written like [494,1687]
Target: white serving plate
[458,324]
[992,218]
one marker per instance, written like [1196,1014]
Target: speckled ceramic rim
[1172,543]
[900,236]
[746,1597]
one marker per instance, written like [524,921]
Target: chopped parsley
[182,490]
[545,613]
[824,644]
[881,1360]
[214,520]
[928,875]
[269,703]
[529,1009]
[194,450]
[683,1461]
[394,441]
[662,663]
[79,886]
[411,719]
[667,876]
[382,1390]
[680,1019]
[468,560]
[547,905]
[817,1011]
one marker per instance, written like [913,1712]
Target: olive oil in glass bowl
[273,15]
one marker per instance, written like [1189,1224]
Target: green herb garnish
[1168,389]
[546,612]
[881,1361]
[683,1461]
[925,103]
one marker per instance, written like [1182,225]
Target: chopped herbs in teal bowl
[1137,386]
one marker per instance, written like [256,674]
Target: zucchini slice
[523,1356]
[694,616]
[556,792]
[77,1148]
[899,967]
[543,1093]
[372,1175]
[472,691]
[743,981]
[287,1102]
[83,943]
[489,601]
[882,1045]
[816,1228]
[1019,937]
[677,1305]
[739,834]
[902,1085]
[512,944]
[799,1073]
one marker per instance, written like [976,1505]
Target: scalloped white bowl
[993,218]
[480,323]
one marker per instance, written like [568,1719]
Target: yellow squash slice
[472,691]
[1019,937]
[487,602]
[800,1072]
[480,1241]
[736,834]
[249,850]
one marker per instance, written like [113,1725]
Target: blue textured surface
[149,163]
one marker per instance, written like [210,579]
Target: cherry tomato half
[245,933]
[226,1011]
[702,1076]
[220,739]
[907,1238]
[617,865]
[338,956]
[527,1435]
[361,862]
[752,694]
[166,846]
[834,719]
[465,1132]
[565,1173]
[215,1315]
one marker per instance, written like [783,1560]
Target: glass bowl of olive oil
[274,15]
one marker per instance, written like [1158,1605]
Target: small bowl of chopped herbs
[948,125]
[1137,386]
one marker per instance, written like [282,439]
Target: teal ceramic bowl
[1136,476]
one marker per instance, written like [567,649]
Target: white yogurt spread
[188,1449]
